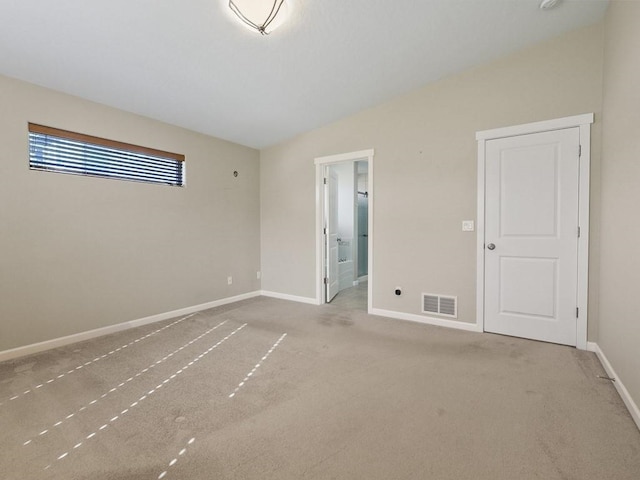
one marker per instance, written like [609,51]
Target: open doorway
[344,229]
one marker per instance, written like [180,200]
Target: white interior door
[531,235]
[332,276]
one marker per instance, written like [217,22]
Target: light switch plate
[468,226]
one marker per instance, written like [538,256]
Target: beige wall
[619,333]
[80,253]
[425,172]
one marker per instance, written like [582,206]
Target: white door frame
[321,163]
[584,123]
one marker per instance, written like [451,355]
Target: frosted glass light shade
[263,16]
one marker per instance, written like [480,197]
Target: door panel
[531,222]
[528,286]
[332,274]
[529,174]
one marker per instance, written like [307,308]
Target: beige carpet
[225,394]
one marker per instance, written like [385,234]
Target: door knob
[491,246]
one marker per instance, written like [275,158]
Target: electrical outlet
[229,280]
[258,275]
[468,226]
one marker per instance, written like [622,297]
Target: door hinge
[579,151]
[577,312]
[325,180]
[326,281]
[578,232]
[325,230]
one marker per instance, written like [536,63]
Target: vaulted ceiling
[191,64]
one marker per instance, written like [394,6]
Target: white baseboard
[363,278]
[98,332]
[292,298]
[440,322]
[622,391]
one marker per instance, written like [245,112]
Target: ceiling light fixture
[548,4]
[263,16]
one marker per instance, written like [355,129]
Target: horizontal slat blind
[69,152]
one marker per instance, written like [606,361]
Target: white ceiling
[190,63]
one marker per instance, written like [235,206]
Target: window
[54,150]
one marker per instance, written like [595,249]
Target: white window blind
[61,151]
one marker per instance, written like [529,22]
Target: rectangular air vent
[440,305]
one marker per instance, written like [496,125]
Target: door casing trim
[321,163]
[583,122]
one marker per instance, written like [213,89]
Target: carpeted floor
[269,389]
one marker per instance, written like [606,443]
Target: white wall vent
[440,305]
